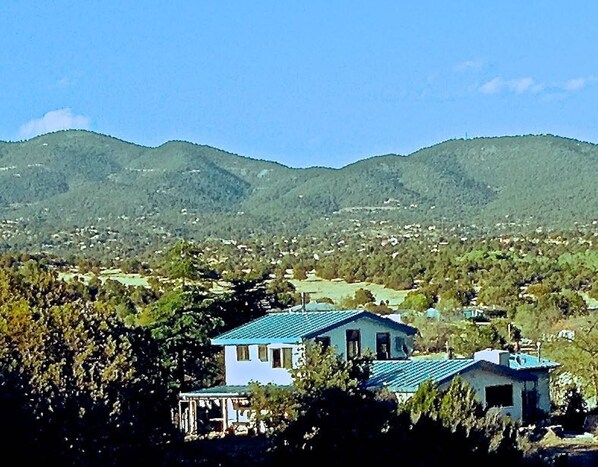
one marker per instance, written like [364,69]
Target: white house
[264,350]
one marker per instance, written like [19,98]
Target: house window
[242,353]
[383,345]
[323,341]
[499,396]
[282,358]
[262,353]
[353,343]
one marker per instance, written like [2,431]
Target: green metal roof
[407,375]
[221,391]
[217,391]
[522,361]
[290,327]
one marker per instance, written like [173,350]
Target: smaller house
[518,384]
[475,314]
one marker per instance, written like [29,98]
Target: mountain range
[75,178]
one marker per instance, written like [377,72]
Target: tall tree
[90,387]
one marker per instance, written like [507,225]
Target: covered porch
[219,409]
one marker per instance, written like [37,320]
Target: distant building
[432,313]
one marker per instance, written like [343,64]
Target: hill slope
[74,178]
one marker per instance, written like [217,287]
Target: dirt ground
[572,450]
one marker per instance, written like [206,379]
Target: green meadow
[339,289]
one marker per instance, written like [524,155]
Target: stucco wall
[243,372]
[479,379]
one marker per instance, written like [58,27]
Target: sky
[304,83]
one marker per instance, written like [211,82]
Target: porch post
[193,415]
[224,416]
[181,419]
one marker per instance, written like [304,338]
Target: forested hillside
[76,179]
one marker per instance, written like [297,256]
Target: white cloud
[63,83]
[54,120]
[520,85]
[575,84]
[530,85]
[493,86]
[517,85]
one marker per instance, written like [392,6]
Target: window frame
[386,335]
[282,357]
[243,353]
[353,336]
[262,353]
[498,395]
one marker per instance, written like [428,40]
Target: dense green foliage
[77,386]
[330,414]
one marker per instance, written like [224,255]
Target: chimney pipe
[449,351]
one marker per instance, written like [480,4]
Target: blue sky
[300,82]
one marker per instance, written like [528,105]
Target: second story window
[262,353]
[353,343]
[242,353]
[282,358]
[401,346]
[383,345]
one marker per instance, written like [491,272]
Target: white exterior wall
[368,329]
[243,372]
[480,379]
